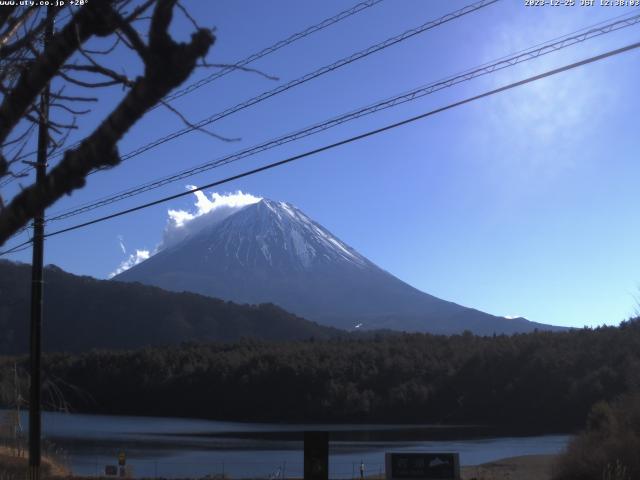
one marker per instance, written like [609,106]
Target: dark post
[35,351]
[316,455]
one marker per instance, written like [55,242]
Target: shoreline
[523,467]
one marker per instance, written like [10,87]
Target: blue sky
[519,204]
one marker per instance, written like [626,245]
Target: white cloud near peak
[133,260]
[209,209]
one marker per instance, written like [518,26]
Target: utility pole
[35,350]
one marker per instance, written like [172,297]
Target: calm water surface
[172,447]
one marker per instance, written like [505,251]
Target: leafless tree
[14,380]
[27,66]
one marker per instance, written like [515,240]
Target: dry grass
[608,448]
[527,467]
[13,467]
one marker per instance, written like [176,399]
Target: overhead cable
[355,138]
[327,22]
[412,95]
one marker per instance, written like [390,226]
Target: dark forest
[540,381]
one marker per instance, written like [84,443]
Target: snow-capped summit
[268,251]
[279,235]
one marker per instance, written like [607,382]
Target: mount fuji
[271,252]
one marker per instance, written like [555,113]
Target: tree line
[541,380]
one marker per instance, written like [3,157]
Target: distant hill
[83,313]
[272,252]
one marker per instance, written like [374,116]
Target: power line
[504,62]
[18,248]
[11,178]
[370,133]
[612,24]
[310,76]
[273,48]
[327,22]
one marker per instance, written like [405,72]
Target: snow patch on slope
[309,241]
[271,233]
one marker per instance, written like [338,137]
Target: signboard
[316,455]
[122,458]
[422,466]
[111,470]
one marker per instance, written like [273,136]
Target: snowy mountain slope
[272,252]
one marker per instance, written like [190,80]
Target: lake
[175,447]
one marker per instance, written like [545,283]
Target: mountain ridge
[83,313]
[272,252]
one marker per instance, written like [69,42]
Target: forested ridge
[541,380]
[82,313]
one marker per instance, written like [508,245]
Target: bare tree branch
[133,40]
[139,11]
[8,49]
[73,98]
[196,127]
[14,25]
[68,109]
[116,78]
[19,138]
[106,51]
[186,13]
[5,14]
[57,145]
[167,65]
[95,18]
[238,67]
[82,83]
